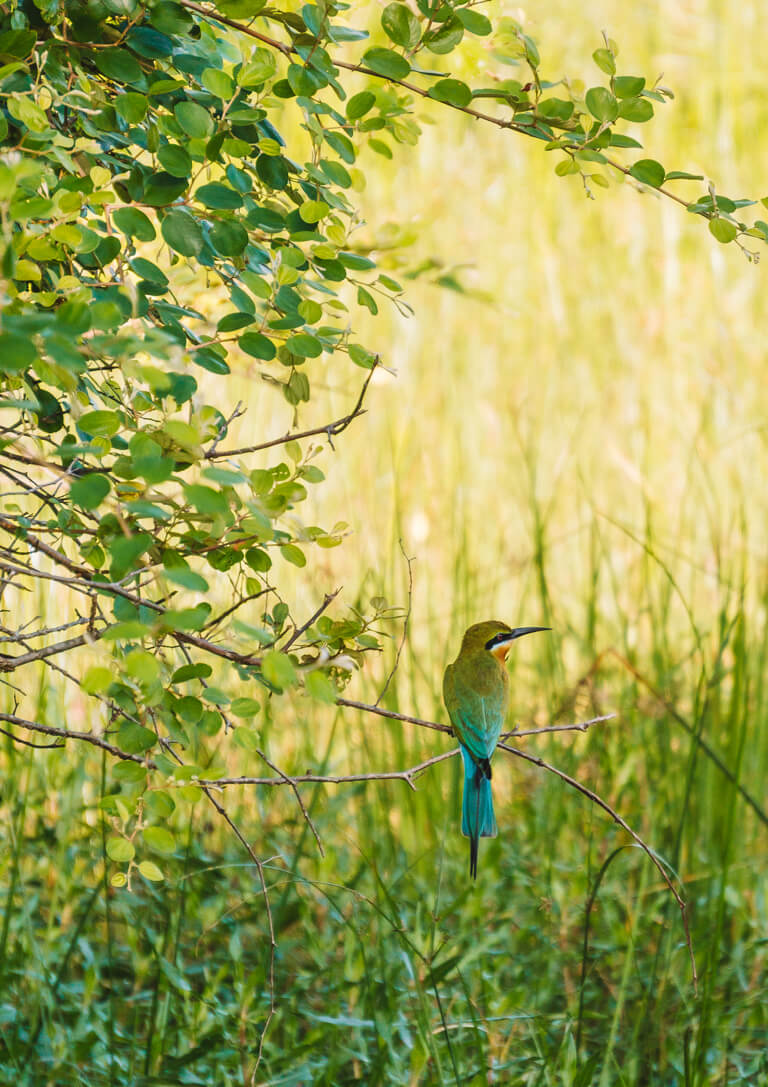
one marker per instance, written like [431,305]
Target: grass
[588,450]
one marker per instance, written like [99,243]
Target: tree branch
[330,429]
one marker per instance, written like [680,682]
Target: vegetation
[198,208]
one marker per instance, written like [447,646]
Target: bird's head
[495,637]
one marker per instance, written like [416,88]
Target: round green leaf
[649,172]
[257,346]
[99,424]
[360,104]
[182,232]
[452,91]
[636,109]
[120,850]
[195,120]
[16,353]
[221,197]
[244,707]
[628,86]
[387,63]
[723,229]
[134,224]
[304,345]
[601,104]
[118,64]
[89,491]
[401,25]
[159,839]
[175,160]
[293,554]
[228,238]
[150,871]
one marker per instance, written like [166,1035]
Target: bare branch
[70,734]
[327,779]
[29,743]
[299,801]
[330,429]
[625,826]
[329,597]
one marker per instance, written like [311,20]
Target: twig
[292,782]
[28,743]
[625,826]
[330,429]
[326,779]
[265,895]
[70,734]
[329,598]
[404,635]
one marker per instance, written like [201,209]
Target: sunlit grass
[587,449]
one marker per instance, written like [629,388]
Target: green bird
[476,695]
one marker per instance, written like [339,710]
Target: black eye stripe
[502,637]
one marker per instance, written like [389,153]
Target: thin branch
[329,598]
[70,734]
[404,634]
[28,743]
[625,826]
[265,895]
[10,664]
[299,801]
[407,776]
[330,429]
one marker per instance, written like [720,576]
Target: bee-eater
[476,695]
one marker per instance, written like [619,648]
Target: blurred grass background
[579,440]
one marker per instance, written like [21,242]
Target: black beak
[518,632]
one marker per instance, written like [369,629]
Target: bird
[476,695]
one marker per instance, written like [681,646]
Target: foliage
[151,155]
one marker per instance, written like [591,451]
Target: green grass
[587,450]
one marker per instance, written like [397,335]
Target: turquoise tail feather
[477,816]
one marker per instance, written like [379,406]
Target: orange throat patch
[500,652]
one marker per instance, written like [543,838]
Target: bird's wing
[477,718]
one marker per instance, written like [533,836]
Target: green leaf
[360,104]
[257,346]
[723,229]
[218,196]
[443,39]
[401,25]
[387,63]
[131,107]
[99,424]
[277,668]
[638,110]
[175,160]
[182,232]
[134,738]
[159,839]
[601,104]
[304,345]
[628,86]
[89,491]
[228,238]
[191,671]
[187,579]
[195,120]
[150,871]
[474,22]
[118,64]
[319,686]
[134,224]
[120,850]
[605,61]
[452,91]
[649,172]
[16,353]
[293,554]
[244,707]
